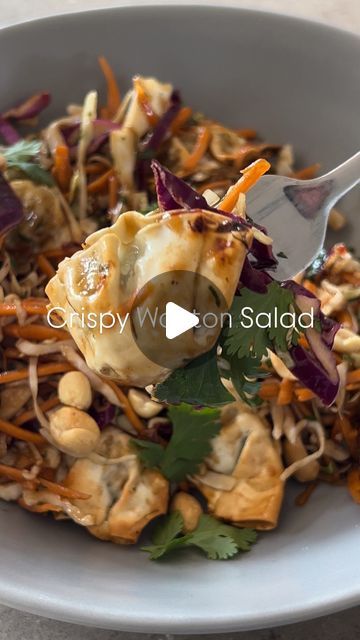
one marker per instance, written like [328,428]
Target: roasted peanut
[190,509]
[143,405]
[74,390]
[74,431]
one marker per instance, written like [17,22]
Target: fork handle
[344,178]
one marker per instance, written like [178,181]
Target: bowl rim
[226,5]
[39,604]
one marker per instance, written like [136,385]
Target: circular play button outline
[176,316]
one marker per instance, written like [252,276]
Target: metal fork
[295,212]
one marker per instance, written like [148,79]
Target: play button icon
[178,320]
[176,316]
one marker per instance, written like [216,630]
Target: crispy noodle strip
[299,464]
[32,349]
[284,423]
[33,384]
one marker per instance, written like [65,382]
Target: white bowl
[295,81]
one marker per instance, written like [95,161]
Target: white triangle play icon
[178,320]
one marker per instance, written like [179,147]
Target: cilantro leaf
[150,453]
[197,383]
[22,151]
[193,430]
[245,337]
[243,538]
[35,173]
[246,375]
[23,156]
[165,537]
[219,541]
[168,528]
[215,546]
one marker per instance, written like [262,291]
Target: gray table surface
[15,625]
[24,626]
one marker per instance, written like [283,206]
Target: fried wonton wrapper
[241,479]
[44,224]
[116,264]
[124,141]
[124,496]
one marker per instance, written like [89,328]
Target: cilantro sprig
[190,443]
[242,349]
[24,156]
[217,540]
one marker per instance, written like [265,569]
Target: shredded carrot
[353,376]
[35,306]
[113,92]
[353,483]
[286,390]
[95,168]
[304,496]
[310,286]
[269,390]
[200,147]
[29,415]
[45,507]
[45,266]
[215,184]
[48,369]
[308,172]
[113,191]
[181,117]
[127,408]
[248,134]
[250,176]
[34,332]
[303,341]
[63,492]
[32,306]
[303,394]
[100,183]
[58,489]
[21,434]
[349,387]
[62,171]
[12,473]
[144,102]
